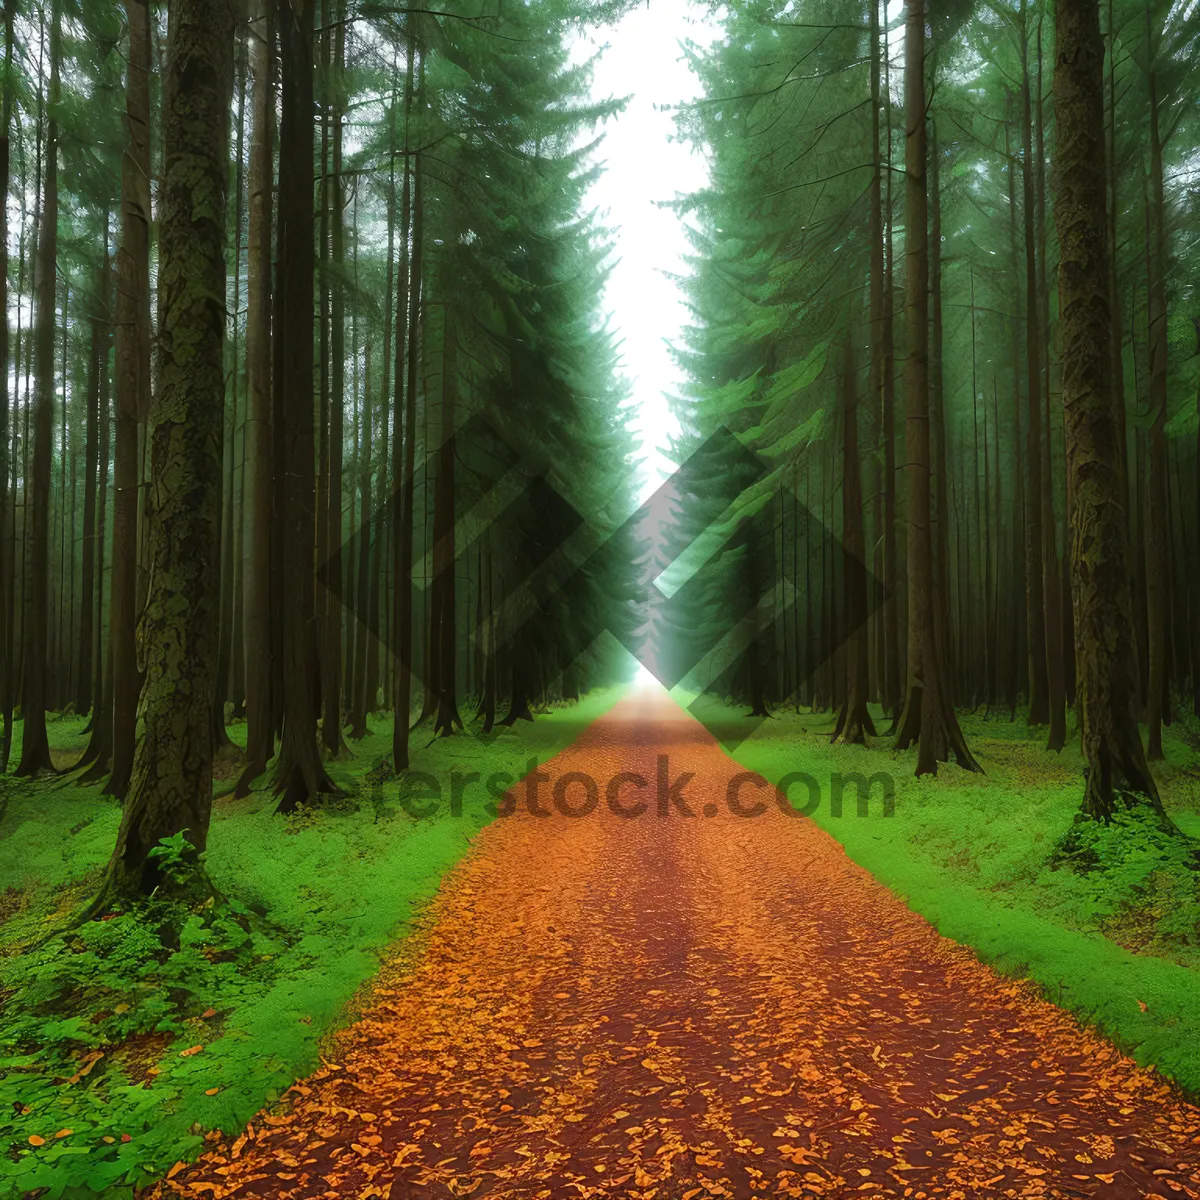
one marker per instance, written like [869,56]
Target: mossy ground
[98,1023]
[1117,945]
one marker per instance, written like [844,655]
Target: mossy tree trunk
[1101,592]
[171,785]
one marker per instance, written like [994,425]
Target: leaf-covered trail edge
[693,1007]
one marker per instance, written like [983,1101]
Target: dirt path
[718,1006]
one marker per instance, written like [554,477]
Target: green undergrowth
[1117,944]
[125,1041]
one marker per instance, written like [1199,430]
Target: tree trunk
[331,655]
[7,564]
[854,722]
[260,723]
[358,699]
[1114,296]
[1104,647]
[1052,593]
[487,703]
[942,630]
[404,473]
[877,281]
[299,774]
[444,628]
[98,755]
[132,354]
[1157,565]
[171,787]
[1020,627]
[35,747]
[230,606]
[890,682]
[96,365]
[927,715]
[1035,607]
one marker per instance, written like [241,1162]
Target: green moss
[1117,945]
[315,899]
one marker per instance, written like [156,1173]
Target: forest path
[706,1007]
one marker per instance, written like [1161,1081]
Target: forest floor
[649,1007]
[665,1008]
[1118,946]
[118,1053]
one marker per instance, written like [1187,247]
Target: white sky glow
[643,166]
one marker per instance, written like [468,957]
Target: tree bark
[35,746]
[927,717]
[358,699]
[1114,296]
[404,567]
[97,363]
[854,722]
[1157,565]
[260,724]
[299,773]
[890,682]
[230,605]
[937,432]
[404,472]
[7,564]
[1052,593]
[444,627]
[132,354]
[1018,590]
[331,655]
[171,786]
[1104,646]
[1035,606]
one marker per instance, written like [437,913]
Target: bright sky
[643,166]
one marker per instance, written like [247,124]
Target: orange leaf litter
[685,1008]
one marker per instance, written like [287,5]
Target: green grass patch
[95,1022]
[1117,945]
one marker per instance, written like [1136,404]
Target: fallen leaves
[807,1035]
